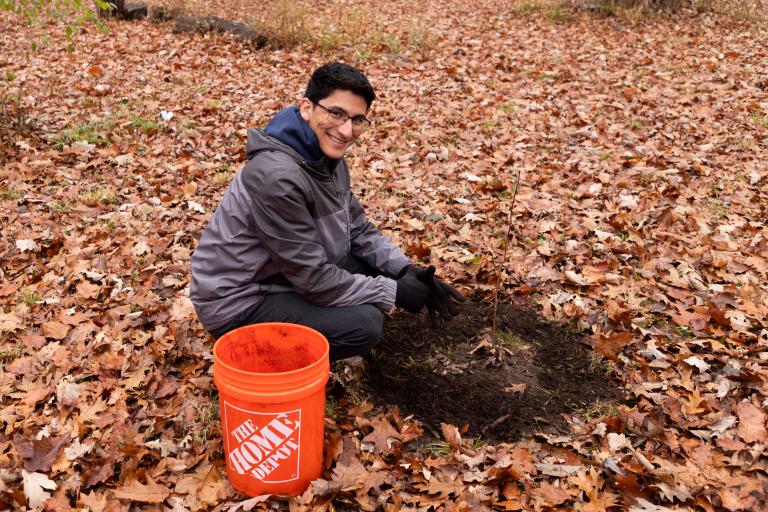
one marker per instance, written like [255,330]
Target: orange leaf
[382,432]
[55,330]
[441,489]
[549,496]
[134,490]
[609,345]
[751,423]
[451,435]
[88,290]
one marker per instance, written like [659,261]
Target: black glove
[412,292]
[441,296]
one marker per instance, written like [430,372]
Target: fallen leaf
[751,423]
[36,486]
[575,278]
[9,322]
[516,388]
[95,501]
[451,435]
[549,496]
[382,435]
[27,245]
[22,366]
[151,492]
[67,392]
[55,330]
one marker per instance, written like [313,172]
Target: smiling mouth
[337,141]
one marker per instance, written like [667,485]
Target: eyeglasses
[339,117]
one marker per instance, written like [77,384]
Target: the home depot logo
[264,445]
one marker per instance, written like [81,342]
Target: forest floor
[629,366]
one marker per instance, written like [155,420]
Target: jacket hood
[289,128]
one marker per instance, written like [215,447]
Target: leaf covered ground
[640,221]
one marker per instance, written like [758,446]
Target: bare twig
[503,260]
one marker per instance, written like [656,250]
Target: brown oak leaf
[151,492]
[751,423]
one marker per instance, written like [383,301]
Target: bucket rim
[321,360]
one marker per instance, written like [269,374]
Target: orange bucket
[271,380]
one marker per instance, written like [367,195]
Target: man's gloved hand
[442,296]
[412,291]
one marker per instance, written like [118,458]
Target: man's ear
[305,108]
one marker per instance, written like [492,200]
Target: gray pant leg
[350,330]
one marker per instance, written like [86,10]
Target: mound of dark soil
[453,373]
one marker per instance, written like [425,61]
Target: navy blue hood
[289,128]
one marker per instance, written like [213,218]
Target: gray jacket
[284,215]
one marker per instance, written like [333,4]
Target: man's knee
[362,331]
[370,325]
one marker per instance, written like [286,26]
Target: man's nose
[346,128]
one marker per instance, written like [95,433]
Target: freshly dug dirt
[453,374]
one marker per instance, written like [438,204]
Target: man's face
[334,140]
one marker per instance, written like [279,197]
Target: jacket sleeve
[284,225]
[370,245]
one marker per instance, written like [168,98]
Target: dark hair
[331,77]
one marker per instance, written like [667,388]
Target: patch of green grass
[527,7]
[223,176]
[364,55]
[207,418]
[507,108]
[558,14]
[635,124]
[386,40]
[475,444]
[96,132]
[645,177]
[422,41]
[331,406]
[511,340]
[10,195]
[744,10]
[8,354]
[145,125]
[596,409]
[684,331]
[439,448]
[59,207]
[718,208]
[284,25]
[9,76]
[14,118]
[554,394]
[452,141]
[758,117]
[29,297]
[96,196]
[600,365]
[328,41]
